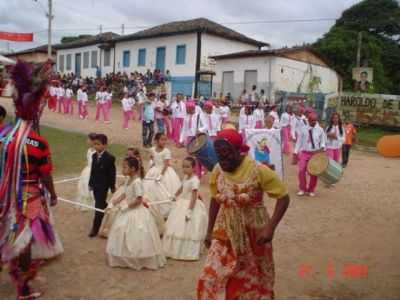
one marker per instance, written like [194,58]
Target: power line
[222,23]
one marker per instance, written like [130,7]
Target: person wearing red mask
[239,264]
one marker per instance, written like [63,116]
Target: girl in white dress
[186,227]
[84,195]
[134,241]
[161,182]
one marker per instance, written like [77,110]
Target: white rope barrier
[80,204]
[75,179]
[101,210]
[66,180]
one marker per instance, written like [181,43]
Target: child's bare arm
[178,192]
[136,203]
[119,199]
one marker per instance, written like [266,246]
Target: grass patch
[69,150]
[369,136]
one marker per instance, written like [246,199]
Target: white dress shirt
[210,123]
[285,119]
[98,96]
[224,111]
[103,97]
[246,122]
[78,94]
[60,92]
[53,91]
[305,143]
[84,98]
[259,115]
[276,118]
[335,144]
[126,104]
[178,109]
[296,124]
[198,109]
[68,93]
[191,124]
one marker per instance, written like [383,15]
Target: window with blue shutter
[142,57]
[180,54]
[126,58]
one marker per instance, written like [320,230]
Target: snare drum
[328,170]
[202,147]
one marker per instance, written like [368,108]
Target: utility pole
[359,49]
[123,29]
[101,29]
[50,18]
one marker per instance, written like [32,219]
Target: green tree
[69,39]
[379,21]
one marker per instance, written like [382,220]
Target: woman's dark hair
[158,136]
[136,164]
[191,160]
[339,123]
[92,136]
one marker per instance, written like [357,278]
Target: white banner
[266,145]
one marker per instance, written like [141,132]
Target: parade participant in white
[258,114]
[84,194]
[335,137]
[274,113]
[191,124]
[134,241]
[246,121]
[165,182]
[311,140]
[210,122]
[186,227]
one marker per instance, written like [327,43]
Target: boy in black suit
[102,179]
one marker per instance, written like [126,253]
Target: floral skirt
[248,276]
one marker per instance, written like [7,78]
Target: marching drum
[202,147]
[328,170]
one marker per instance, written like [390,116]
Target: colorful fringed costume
[24,165]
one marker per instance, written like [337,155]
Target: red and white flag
[16,37]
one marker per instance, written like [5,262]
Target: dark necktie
[311,138]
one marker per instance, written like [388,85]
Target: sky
[72,17]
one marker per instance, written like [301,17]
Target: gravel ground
[356,222]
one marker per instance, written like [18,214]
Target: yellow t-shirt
[268,180]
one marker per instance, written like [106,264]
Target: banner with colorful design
[266,146]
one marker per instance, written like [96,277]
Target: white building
[85,56]
[182,47]
[295,70]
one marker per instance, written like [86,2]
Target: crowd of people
[156,215]
[117,82]
[182,119]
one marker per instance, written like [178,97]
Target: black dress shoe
[92,234]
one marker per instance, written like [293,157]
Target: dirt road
[316,247]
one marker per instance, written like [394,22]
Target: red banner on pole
[16,37]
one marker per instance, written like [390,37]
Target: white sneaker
[311,194]
[300,193]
